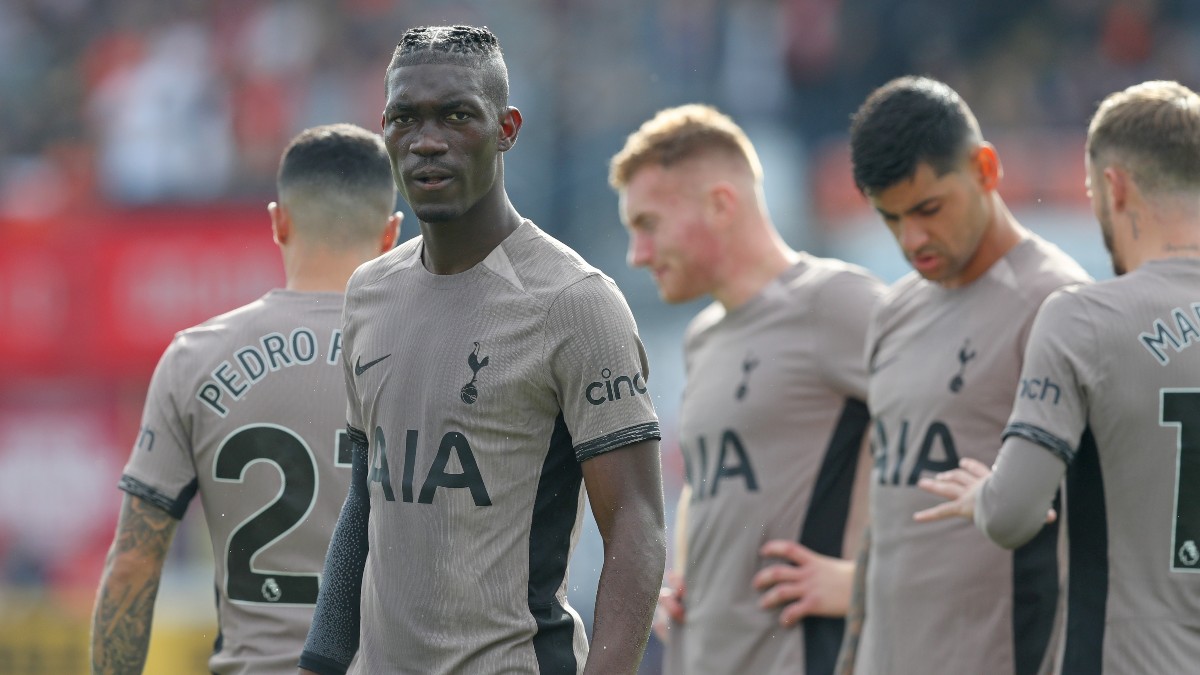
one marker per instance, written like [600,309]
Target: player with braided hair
[491,374]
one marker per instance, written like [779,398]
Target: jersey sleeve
[844,306]
[597,366]
[1051,405]
[160,469]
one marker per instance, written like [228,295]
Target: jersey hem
[1057,446]
[174,507]
[617,439]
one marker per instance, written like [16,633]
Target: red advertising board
[105,299]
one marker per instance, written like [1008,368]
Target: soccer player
[492,373]
[1110,395]
[244,409]
[773,418]
[944,352]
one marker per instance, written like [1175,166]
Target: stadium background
[139,139]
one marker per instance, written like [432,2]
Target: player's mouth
[431,179]
[925,263]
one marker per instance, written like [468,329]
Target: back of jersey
[1112,386]
[248,410]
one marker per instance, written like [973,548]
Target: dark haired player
[944,352]
[1109,395]
[492,373]
[244,410]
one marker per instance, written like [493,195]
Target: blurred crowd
[136,102]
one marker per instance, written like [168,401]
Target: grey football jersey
[246,410]
[1111,385]
[944,363]
[480,395]
[771,430]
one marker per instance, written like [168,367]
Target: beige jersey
[480,395]
[1111,385]
[771,428]
[245,409]
[944,363]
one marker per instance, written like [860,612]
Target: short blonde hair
[678,134]
[1153,130]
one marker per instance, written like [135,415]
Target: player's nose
[641,250]
[911,236]
[428,140]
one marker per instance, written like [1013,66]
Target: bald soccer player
[773,413]
[246,411]
[944,353]
[1110,396]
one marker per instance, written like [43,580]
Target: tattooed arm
[125,601]
[858,609]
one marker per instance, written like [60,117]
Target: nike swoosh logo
[360,367]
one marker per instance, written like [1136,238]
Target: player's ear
[721,203]
[987,166]
[281,223]
[1117,181]
[510,126]
[391,232]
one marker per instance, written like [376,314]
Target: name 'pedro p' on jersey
[245,410]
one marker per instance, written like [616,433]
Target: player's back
[247,410]
[1134,480]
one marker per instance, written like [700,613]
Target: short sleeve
[160,468]
[845,305]
[1051,399]
[598,367]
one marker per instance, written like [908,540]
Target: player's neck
[324,272]
[456,246]
[1168,229]
[750,266]
[1001,235]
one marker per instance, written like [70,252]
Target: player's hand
[959,486]
[670,606]
[806,584]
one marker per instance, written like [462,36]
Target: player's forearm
[333,637]
[1013,502]
[856,614]
[626,597]
[129,585]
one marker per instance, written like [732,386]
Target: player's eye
[930,210]
[458,116]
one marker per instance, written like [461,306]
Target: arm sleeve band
[1013,501]
[333,638]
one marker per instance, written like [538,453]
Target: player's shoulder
[218,327]
[402,256]
[1041,267]
[909,290]
[705,319]
[542,259]
[833,282]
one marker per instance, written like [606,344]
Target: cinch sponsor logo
[1039,389]
[599,393]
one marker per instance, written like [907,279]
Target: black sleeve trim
[320,665]
[617,439]
[174,507]
[357,435]
[1060,448]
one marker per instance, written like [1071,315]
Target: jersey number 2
[1181,408]
[290,455]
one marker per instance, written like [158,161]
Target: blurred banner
[104,301]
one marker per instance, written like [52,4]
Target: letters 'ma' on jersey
[245,409]
[943,364]
[771,430]
[1111,385]
[502,379]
